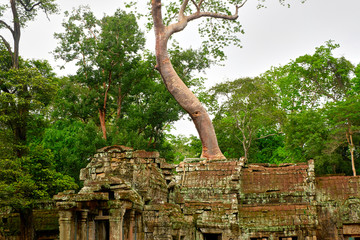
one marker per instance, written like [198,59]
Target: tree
[325,84]
[72,142]
[25,90]
[22,11]
[220,27]
[248,112]
[150,109]
[311,80]
[27,171]
[117,82]
[344,121]
[306,134]
[26,180]
[106,52]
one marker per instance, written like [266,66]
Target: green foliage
[306,133]
[311,80]
[72,142]
[114,77]
[248,111]
[25,180]
[319,94]
[183,147]
[27,169]
[24,95]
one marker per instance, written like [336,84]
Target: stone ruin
[135,195]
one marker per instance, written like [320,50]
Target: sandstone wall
[131,194]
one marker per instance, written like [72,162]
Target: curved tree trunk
[179,90]
[102,120]
[352,148]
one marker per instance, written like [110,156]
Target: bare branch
[7,26]
[213,15]
[183,20]
[269,135]
[197,6]
[182,9]
[200,3]
[238,139]
[7,45]
[31,8]
[241,4]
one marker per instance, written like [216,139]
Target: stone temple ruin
[135,195]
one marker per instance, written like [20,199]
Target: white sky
[272,36]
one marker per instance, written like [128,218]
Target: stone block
[84,174]
[351,229]
[145,154]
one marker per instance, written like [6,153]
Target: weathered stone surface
[130,193]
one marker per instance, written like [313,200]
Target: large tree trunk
[102,115]
[16,35]
[27,230]
[180,91]
[353,161]
[119,103]
[352,148]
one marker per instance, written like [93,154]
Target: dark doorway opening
[102,230]
[212,236]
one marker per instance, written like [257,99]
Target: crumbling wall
[210,195]
[125,194]
[278,201]
[131,194]
[338,207]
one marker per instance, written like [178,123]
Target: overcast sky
[273,36]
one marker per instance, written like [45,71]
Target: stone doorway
[212,236]
[102,230]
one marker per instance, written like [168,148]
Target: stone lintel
[351,229]
[66,205]
[145,154]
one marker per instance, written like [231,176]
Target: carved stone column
[65,222]
[83,225]
[91,229]
[132,224]
[116,223]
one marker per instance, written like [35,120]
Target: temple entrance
[212,236]
[102,230]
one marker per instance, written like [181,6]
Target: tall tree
[324,83]
[248,111]
[26,180]
[220,27]
[22,11]
[106,52]
[22,91]
[344,121]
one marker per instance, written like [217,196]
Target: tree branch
[200,3]
[7,26]
[269,135]
[7,45]
[26,6]
[182,9]
[215,15]
[183,20]
[196,5]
